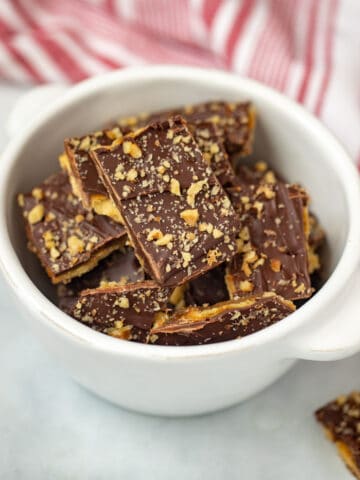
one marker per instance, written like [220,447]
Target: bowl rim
[339,160]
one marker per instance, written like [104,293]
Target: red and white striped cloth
[308,49]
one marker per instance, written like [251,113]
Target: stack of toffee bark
[158,230]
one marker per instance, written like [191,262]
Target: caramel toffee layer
[121,267]
[272,249]
[84,179]
[341,421]
[68,240]
[261,173]
[179,219]
[217,323]
[317,234]
[124,311]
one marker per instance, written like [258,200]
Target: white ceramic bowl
[190,380]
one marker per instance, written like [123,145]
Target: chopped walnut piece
[266,190]
[21,200]
[122,302]
[300,288]
[246,286]
[261,166]
[212,256]
[217,233]
[132,149]
[275,265]
[187,258]
[37,193]
[193,190]
[164,240]
[175,187]
[190,217]
[54,253]
[119,173]
[154,234]
[206,227]
[75,244]
[269,177]
[131,175]
[36,214]
[114,133]
[85,143]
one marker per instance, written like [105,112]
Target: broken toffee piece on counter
[68,240]
[179,219]
[84,179]
[221,322]
[120,267]
[273,242]
[341,422]
[123,311]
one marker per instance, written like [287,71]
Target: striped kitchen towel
[307,49]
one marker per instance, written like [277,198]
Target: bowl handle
[30,104]
[339,336]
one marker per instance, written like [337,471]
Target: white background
[50,428]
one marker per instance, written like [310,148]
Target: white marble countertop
[50,428]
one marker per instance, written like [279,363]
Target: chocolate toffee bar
[121,268]
[123,311]
[208,137]
[179,219]
[84,179]
[341,422]
[217,323]
[260,172]
[68,240]
[212,124]
[234,122]
[273,247]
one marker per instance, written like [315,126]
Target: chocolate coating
[121,266]
[125,311]
[273,242]
[260,172]
[177,215]
[82,167]
[68,240]
[234,121]
[208,137]
[221,322]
